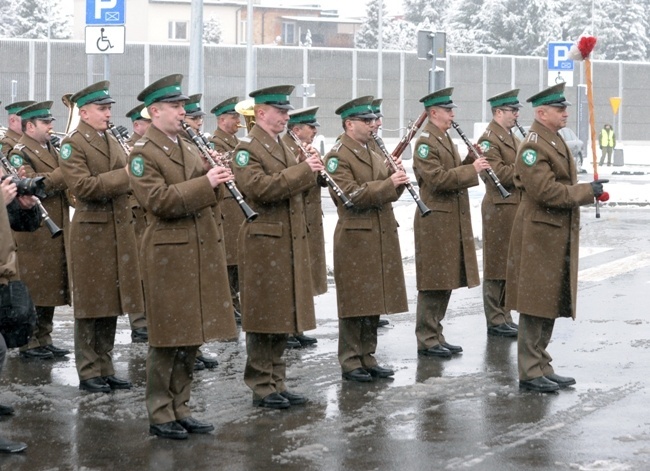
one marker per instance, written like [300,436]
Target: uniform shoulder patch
[485,146]
[137,166]
[66,151]
[332,165]
[16,160]
[529,157]
[242,158]
[423,151]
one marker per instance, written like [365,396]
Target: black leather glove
[55,140]
[597,186]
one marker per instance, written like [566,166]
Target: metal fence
[338,75]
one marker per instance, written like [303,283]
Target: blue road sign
[558,56]
[105,12]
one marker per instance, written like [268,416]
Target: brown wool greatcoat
[315,232]
[8,258]
[445,256]
[233,217]
[184,265]
[500,149]
[274,263]
[8,142]
[542,276]
[367,258]
[43,265]
[102,249]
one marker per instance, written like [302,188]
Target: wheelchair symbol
[103,43]
[559,78]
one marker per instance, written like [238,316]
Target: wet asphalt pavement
[460,413]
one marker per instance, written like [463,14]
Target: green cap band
[440,100]
[273,98]
[192,107]
[511,100]
[136,116]
[361,109]
[306,118]
[84,100]
[224,109]
[555,98]
[15,109]
[161,93]
[43,112]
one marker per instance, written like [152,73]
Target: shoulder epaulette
[19,147]
[532,137]
[245,139]
[336,147]
[424,134]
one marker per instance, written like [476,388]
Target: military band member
[140,123]
[43,265]
[367,257]
[225,140]
[303,124]
[542,274]
[104,263]
[445,256]
[499,146]
[194,118]
[14,127]
[185,279]
[274,263]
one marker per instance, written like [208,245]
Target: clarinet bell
[55,230]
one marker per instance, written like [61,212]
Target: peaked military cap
[552,96]
[507,99]
[376,107]
[277,96]
[166,89]
[39,110]
[304,116]
[441,98]
[193,106]
[14,108]
[358,108]
[226,106]
[97,94]
[139,112]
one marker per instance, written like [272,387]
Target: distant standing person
[607,144]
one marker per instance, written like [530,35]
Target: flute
[234,191]
[322,173]
[390,162]
[493,176]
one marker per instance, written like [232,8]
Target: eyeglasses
[364,120]
[195,118]
[512,110]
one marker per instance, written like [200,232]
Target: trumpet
[234,191]
[392,165]
[120,139]
[322,173]
[521,129]
[493,176]
[55,230]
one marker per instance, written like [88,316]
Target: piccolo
[390,162]
[493,176]
[232,188]
[55,230]
[521,129]
[120,139]
[322,173]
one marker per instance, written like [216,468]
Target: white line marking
[615,268]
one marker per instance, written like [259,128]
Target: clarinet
[390,162]
[521,129]
[234,191]
[493,176]
[55,230]
[120,139]
[322,173]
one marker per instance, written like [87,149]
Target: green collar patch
[332,164]
[423,151]
[242,158]
[529,157]
[66,151]
[16,160]
[137,166]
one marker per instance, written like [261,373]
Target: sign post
[105,31]
[560,67]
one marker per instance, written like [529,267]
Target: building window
[288,33]
[178,30]
[243,28]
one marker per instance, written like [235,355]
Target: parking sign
[105,12]
[558,56]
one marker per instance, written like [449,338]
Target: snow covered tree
[416,11]
[8,18]
[622,33]
[463,23]
[212,31]
[368,35]
[396,33]
[32,17]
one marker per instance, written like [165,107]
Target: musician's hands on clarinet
[315,163]
[399,178]
[218,175]
[481,164]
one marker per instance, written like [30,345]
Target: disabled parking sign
[560,67]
